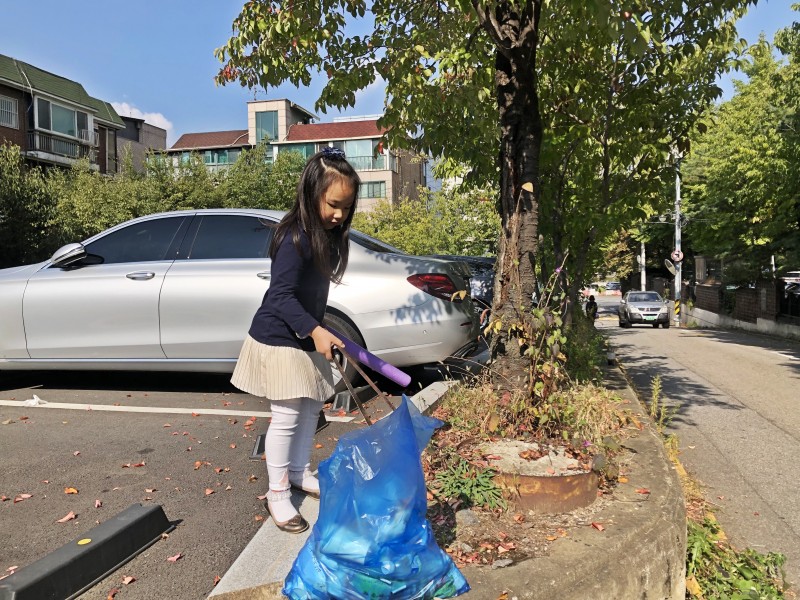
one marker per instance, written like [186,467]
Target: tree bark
[520,146]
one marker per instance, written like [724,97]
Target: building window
[60,119]
[305,150]
[9,115]
[364,155]
[267,125]
[373,189]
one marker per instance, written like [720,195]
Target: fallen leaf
[228,489]
[249,423]
[21,497]
[209,491]
[8,422]
[4,498]
[175,558]
[139,464]
[233,446]
[252,478]
[318,446]
[24,418]
[76,453]
[126,466]
[622,479]
[259,517]
[551,471]
[264,497]
[68,517]
[12,569]
[598,526]
[98,503]
[194,414]
[217,578]
[150,490]
[642,491]
[112,593]
[198,464]
[551,538]
[128,579]
[167,425]
[519,518]
[70,490]
[693,588]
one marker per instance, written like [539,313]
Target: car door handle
[141,275]
[264,275]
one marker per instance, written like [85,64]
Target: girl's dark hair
[321,170]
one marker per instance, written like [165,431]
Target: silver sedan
[176,292]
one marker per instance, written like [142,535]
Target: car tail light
[436,284]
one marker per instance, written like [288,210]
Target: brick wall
[746,307]
[15,136]
[708,297]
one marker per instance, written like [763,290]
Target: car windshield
[370,243]
[644,297]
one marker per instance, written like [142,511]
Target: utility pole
[678,255]
[643,272]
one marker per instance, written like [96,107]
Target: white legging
[289,437]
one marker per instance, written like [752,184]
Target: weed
[660,413]
[714,569]
[474,486]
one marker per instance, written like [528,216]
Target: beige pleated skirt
[282,373]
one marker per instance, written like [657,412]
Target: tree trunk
[515,280]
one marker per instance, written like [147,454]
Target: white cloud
[126,110]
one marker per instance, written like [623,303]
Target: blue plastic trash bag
[372,539]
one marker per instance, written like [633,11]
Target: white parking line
[787,355]
[154,410]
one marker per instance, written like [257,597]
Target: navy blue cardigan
[296,299]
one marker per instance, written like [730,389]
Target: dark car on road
[647,308]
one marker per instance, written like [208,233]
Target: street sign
[670,266]
[677,256]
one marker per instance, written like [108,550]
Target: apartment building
[53,120]
[282,125]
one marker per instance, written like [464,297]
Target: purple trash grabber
[378,365]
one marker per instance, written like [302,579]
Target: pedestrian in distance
[591,309]
[287,352]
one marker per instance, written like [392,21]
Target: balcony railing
[45,142]
[373,163]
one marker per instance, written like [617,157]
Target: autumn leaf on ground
[194,414]
[217,578]
[12,569]
[150,490]
[228,488]
[175,558]
[76,453]
[264,497]
[139,464]
[167,425]
[519,518]
[249,423]
[21,497]
[68,517]
[598,526]
[259,517]
[70,490]
[622,479]
[4,498]
[233,446]
[128,579]
[252,478]
[198,464]
[318,446]
[642,491]
[209,491]
[112,593]
[98,503]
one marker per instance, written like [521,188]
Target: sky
[154,59]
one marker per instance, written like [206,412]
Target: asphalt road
[195,464]
[738,422]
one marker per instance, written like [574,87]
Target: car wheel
[348,331]
[665,325]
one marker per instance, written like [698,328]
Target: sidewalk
[640,553]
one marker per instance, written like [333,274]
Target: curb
[641,553]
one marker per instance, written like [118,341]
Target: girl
[286,354]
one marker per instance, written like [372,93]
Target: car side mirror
[67,255]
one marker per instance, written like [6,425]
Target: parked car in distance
[648,308]
[177,291]
[612,288]
[791,277]
[481,282]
